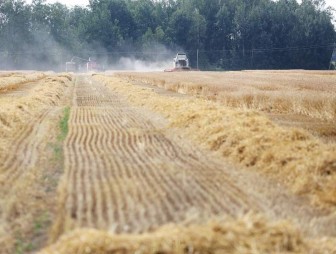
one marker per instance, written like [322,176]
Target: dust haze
[46,54]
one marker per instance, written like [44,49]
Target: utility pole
[197,59]
[333,58]
[251,64]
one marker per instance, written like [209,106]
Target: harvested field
[99,164]
[27,123]
[138,167]
[299,98]
[12,81]
[247,234]
[307,165]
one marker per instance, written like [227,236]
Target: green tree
[14,33]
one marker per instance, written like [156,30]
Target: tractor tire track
[124,173]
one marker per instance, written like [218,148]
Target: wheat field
[113,164]
[305,99]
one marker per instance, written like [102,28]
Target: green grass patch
[41,222]
[64,124]
[22,247]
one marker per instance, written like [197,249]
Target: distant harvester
[79,64]
[332,65]
[180,63]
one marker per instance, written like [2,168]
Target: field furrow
[124,173]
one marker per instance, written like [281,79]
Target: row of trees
[228,34]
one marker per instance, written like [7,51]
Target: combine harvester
[180,63]
[78,64]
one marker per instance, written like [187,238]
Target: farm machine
[180,63]
[78,64]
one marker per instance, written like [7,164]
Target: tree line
[224,34]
